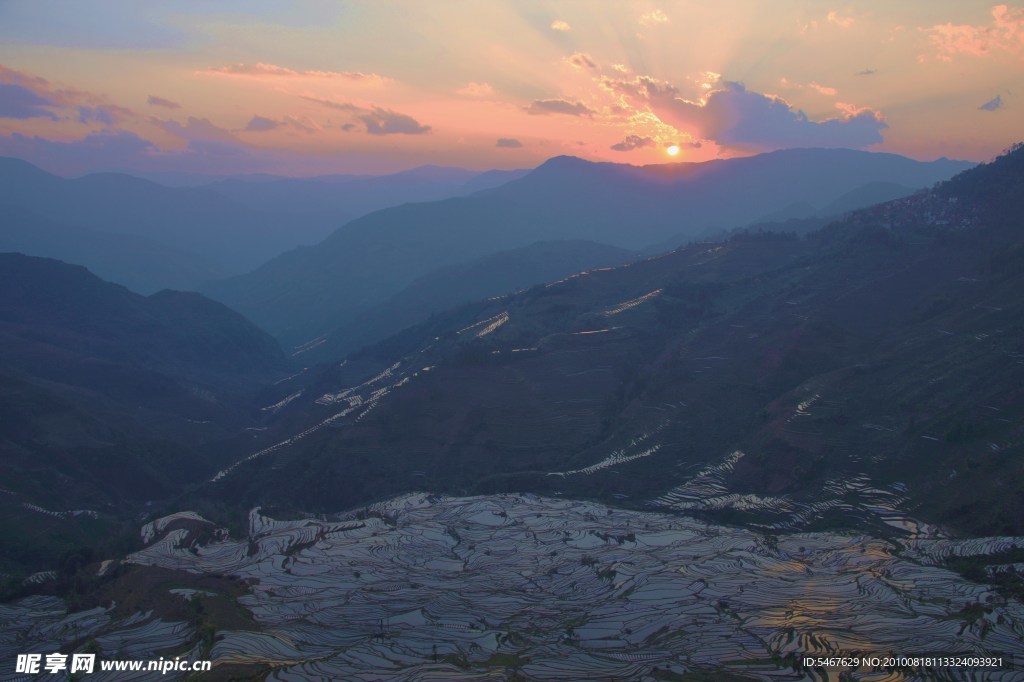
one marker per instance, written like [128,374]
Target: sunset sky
[337,87]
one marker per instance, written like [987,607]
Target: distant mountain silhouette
[137,262]
[194,220]
[320,205]
[311,291]
[218,228]
[879,358]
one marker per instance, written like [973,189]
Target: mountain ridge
[304,293]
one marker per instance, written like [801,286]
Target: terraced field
[490,587]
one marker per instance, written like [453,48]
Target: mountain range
[148,236]
[322,290]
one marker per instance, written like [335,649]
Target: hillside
[454,285]
[110,400]
[865,375]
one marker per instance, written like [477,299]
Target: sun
[673,150]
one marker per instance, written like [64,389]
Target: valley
[512,340]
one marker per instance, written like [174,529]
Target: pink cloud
[262,70]
[826,90]
[1005,33]
[71,98]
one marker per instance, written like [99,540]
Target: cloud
[642,87]
[632,142]
[103,150]
[653,17]
[866,72]
[735,117]
[834,17]
[993,104]
[508,143]
[559,106]
[17,101]
[378,120]
[820,89]
[581,61]
[155,101]
[381,121]
[1006,33]
[24,96]
[204,138]
[259,124]
[33,83]
[306,125]
[340,106]
[262,70]
[476,90]
[559,25]
[104,114]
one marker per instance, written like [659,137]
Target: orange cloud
[1006,33]
[742,119]
[260,70]
[834,17]
[654,17]
[820,89]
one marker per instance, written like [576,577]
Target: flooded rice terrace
[524,587]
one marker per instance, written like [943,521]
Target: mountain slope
[109,399]
[865,375]
[305,293]
[454,285]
